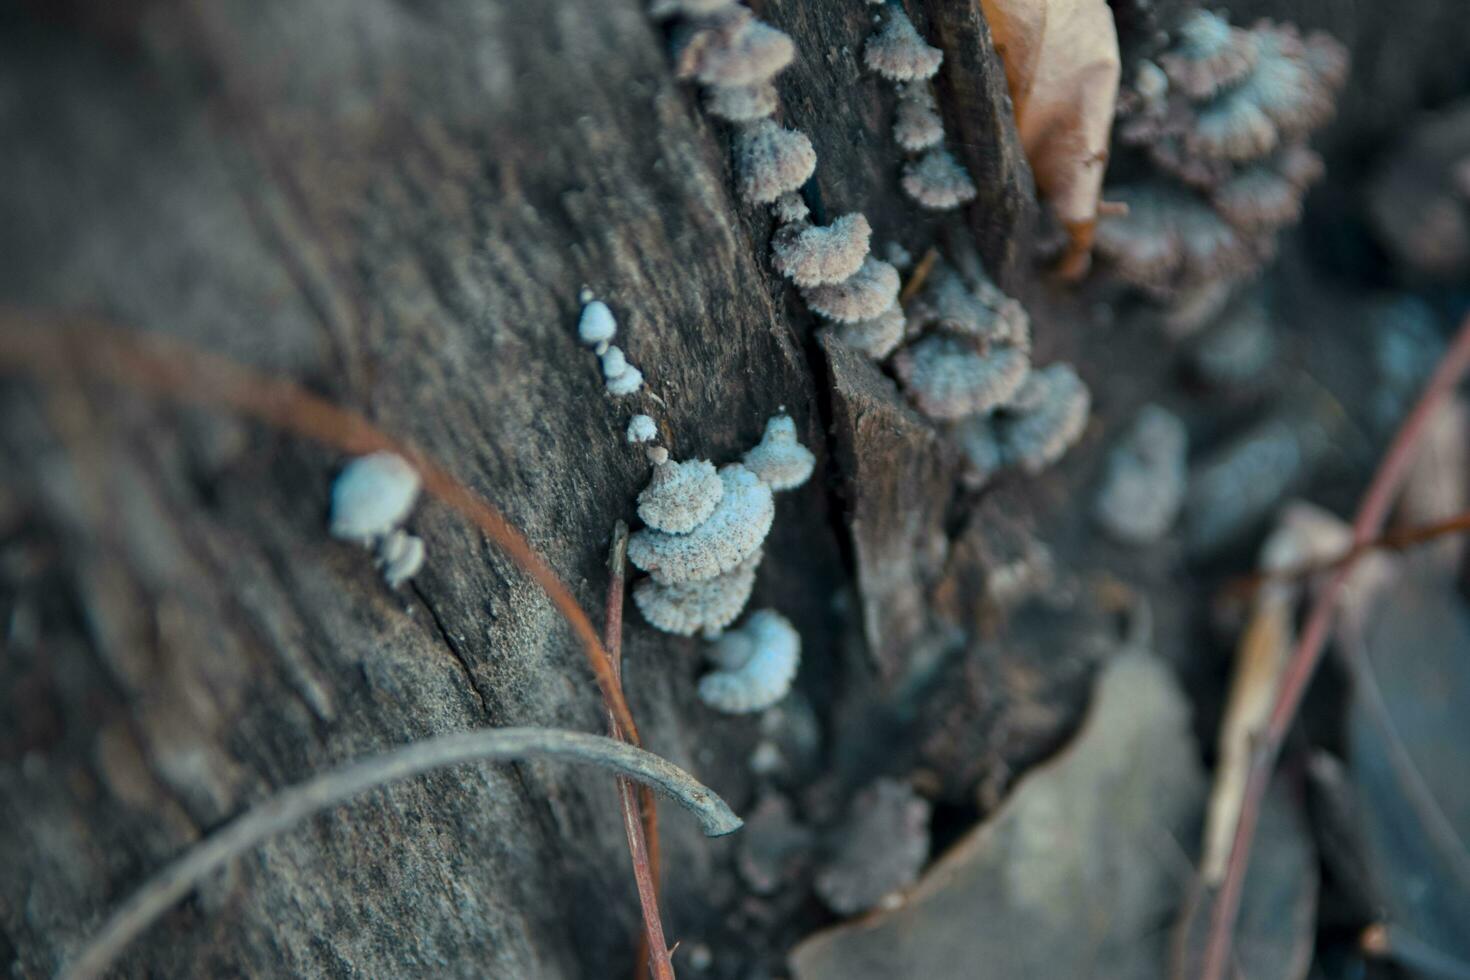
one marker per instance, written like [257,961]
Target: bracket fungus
[371,496]
[680,496]
[861,296]
[641,428]
[1209,55]
[771,161]
[876,337]
[619,377]
[916,122]
[741,103]
[937,181]
[779,460]
[983,312]
[400,557]
[1045,418]
[754,664]
[950,377]
[731,47]
[732,533]
[686,608]
[898,53]
[813,255]
[1147,474]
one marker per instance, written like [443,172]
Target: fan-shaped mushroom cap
[781,462]
[1233,127]
[861,296]
[1168,238]
[1210,55]
[690,607]
[372,495]
[741,103]
[877,337]
[401,557]
[790,209]
[984,312]
[1258,198]
[626,383]
[1286,84]
[1146,477]
[755,663]
[811,255]
[948,378]
[732,47]
[731,534]
[1045,418]
[981,445]
[771,161]
[680,496]
[937,181]
[641,428]
[897,52]
[597,325]
[916,123]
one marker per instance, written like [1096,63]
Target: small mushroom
[755,664]
[790,208]
[731,47]
[812,255]
[898,53]
[1210,55]
[741,103]
[861,296]
[597,326]
[1045,418]
[709,606]
[400,556]
[984,313]
[371,496]
[949,378]
[619,377]
[1146,478]
[937,181]
[771,161]
[1296,89]
[877,337]
[732,533]
[1234,127]
[781,462]
[916,123]
[879,849]
[641,428]
[680,496]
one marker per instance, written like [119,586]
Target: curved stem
[288,807]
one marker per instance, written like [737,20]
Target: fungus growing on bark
[937,181]
[680,496]
[619,377]
[731,47]
[400,557]
[1209,55]
[811,255]
[597,327]
[1146,477]
[984,313]
[878,337]
[754,664]
[898,53]
[861,296]
[916,122]
[741,103]
[1238,350]
[709,606]
[949,377]
[1169,240]
[779,460]
[1045,418]
[732,533]
[641,428]
[771,161]
[1268,195]
[790,209]
[880,849]
[371,496]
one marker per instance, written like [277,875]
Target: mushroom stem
[288,807]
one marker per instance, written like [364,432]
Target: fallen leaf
[1074,876]
[1062,66]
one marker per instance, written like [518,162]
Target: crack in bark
[453,648]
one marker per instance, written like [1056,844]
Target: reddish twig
[47,345]
[640,818]
[1307,654]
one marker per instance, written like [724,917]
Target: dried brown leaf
[1062,65]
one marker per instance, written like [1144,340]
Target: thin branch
[639,823]
[288,807]
[46,344]
[1367,525]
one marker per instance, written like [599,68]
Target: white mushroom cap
[861,296]
[877,337]
[898,53]
[1045,418]
[372,495]
[741,103]
[641,428]
[916,124]
[629,381]
[937,181]
[812,255]
[1210,55]
[755,665]
[597,325]
[732,47]
[984,312]
[1147,474]
[948,378]
[400,556]
[731,534]
[790,208]
[691,607]
[771,161]
[614,362]
[781,462]
[680,496]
